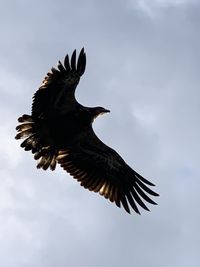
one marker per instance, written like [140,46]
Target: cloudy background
[143,62]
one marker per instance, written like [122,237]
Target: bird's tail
[29,130]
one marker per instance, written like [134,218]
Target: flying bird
[59,131]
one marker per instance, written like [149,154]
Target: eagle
[59,131]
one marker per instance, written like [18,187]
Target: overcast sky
[143,62]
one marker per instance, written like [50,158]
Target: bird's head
[98,111]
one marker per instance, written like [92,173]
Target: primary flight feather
[59,130]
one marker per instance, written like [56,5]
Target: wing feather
[124,202]
[81,62]
[138,199]
[73,61]
[56,93]
[66,63]
[100,169]
[132,202]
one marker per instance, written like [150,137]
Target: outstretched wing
[100,169]
[56,93]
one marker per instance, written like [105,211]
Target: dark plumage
[59,130]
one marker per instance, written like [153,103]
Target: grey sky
[143,63]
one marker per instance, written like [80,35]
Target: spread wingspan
[59,130]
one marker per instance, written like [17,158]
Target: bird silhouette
[59,131]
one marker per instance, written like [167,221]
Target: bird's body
[59,130]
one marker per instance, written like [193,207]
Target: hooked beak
[106,111]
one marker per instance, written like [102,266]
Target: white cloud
[153,8]
[10,152]
[148,75]
[145,115]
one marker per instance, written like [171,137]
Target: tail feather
[31,132]
[23,134]
[24,127]
[25,118]
[32,142]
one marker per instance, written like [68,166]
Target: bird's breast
[64,129]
